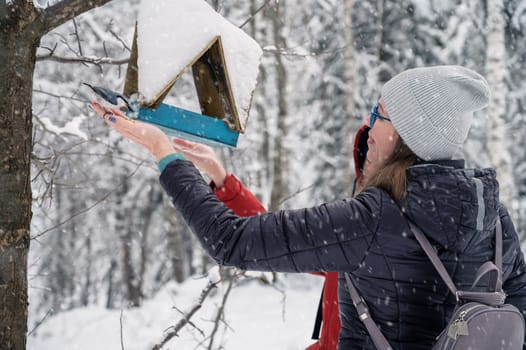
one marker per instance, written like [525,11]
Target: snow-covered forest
[103,232]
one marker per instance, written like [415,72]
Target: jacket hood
[452,205]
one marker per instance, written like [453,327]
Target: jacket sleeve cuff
[163,163]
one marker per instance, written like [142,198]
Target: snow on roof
[171,34]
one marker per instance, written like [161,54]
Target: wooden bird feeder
[219,122]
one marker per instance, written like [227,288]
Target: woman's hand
[204,158]
[146,135]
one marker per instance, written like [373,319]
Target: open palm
[203,157]
[144,134]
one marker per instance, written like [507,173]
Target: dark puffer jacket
[369,237]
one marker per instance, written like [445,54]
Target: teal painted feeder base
[178,122]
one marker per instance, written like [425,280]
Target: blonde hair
[392,175]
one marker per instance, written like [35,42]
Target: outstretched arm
[331,237]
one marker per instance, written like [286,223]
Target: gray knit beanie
[432,108]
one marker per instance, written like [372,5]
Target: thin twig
[64,40]
[39,322]
[76,99]
[78,37]
[51,51]
[120,40]
[220,311]
[294,194]
[105,49]
[254,14]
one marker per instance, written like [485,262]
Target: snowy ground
[258,317]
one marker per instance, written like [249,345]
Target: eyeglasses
[375,115]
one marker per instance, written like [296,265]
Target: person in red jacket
[237,197]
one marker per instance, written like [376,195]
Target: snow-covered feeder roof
[174,34]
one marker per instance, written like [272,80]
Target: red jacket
[243,202]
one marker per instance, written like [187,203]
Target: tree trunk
[110,292]
[133,294]
[21,27]
[17,54]
[178,256]
[177,238]
[278,161]
[260,181]
[124,228]
[86,289]
[352,122]
[496,73]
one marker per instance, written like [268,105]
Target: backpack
[480,320]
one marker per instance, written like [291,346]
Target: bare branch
[51,50]
[221,310]
[254,14]
[78,37]
[119,39]
[190,323]
[76,99]
[186,318]
[64,40]
[292,195]
[90,60]
[43,167]
[64,11]
[39,322]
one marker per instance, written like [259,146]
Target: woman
[417,128]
